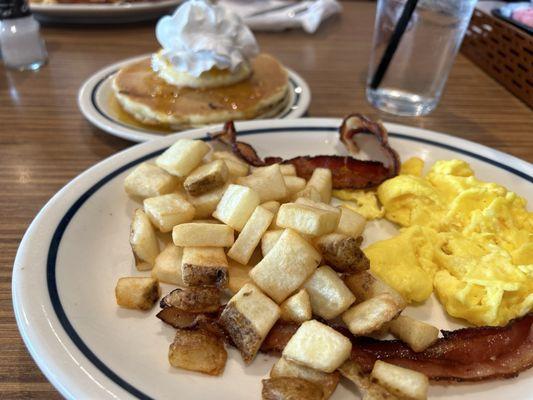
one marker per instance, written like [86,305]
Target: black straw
[407,12]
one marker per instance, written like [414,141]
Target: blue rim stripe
[63,224]
[96,87]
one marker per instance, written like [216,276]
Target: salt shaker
[20,42]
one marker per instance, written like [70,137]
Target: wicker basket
[502,51]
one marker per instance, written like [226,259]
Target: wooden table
[45,141]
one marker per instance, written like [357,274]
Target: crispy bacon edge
[469,354]
[347,172]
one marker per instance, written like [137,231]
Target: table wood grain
[45,141]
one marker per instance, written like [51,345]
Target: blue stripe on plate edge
[63,224]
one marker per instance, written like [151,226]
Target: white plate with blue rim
[97,103]
[77,247]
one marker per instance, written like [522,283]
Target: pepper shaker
[21,44]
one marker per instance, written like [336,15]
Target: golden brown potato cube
[204,266]
[203,234]
[287,169]
[370,315]
[285,388]
[351,223]
[402,382]
[343,252]
[286,368]
[286,266]
[329,296]
[316,345]
[199,299]
[168,210]
[321,180]
[238,276]
[307,220]
[182,157]
[143,241]
[198,350]
[137,293]
[247,318]
[148,180]
[251,234]
[267,182]
[167,266]
[294,184]
[236,206]
[269,239]
[308,192]
[368,389]
[297,308]
[206,177]
[206,204]
[417,334]
[365,286]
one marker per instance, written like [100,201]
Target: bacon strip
[348,172]
[470,354]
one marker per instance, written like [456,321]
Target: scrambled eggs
[361,201]
[471,241]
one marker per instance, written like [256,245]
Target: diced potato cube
[322,181]
[269,239]
[182,157]
[247,318]
[329,296]
[236,169]
[143,241]
[308,192]
[198,350]
[148,180]
[307,220]
[417,334]
[204,266]
[286,266]
[285,388]
[203,234]
[351,223]
[199,299]
[370,315]
[297,308]
[316,345]
[273,207]
[236,206]
[318,204]
[285,368]
[137,293]
[365,286]
[268,183]
[167,267]
[238,276]
[251,234]
[287,169]
[368,389]
[402,382]
[168,210]
[294,184]
[206,204]
[343,252]
[206,177]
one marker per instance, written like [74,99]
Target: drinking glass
[413,82]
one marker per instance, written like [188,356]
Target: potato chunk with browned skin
[137,292]
[247,319]
[417,334]
[201,299]
[143,241]
[371,315]
[206,177]
[297,308]
[290,388]
[327,381]
[183,156]
[316,345]
[206,203]
[148,180]
[168,210]
[402,382]
[368,389]
[343,253]
[198,350]
[365,286]
[204,266]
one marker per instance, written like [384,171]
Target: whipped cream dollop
[200,36]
